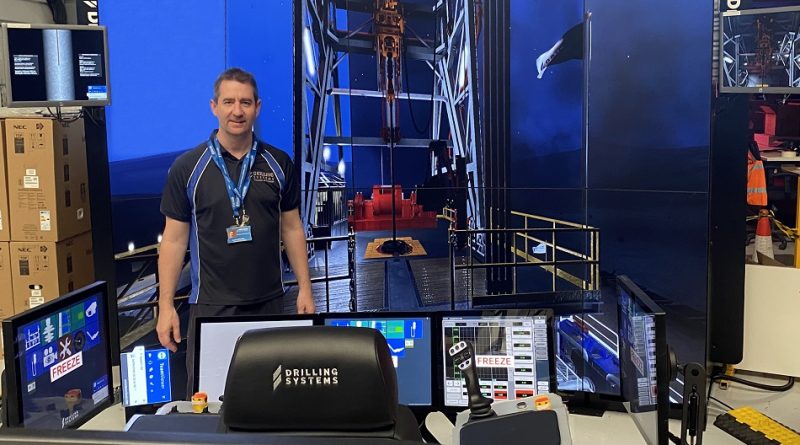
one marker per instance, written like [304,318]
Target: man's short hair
[239,75]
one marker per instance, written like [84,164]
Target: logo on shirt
[262,176]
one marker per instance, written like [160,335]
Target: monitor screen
[409,340]
[58,361]
[145,376]
[48,65]
[642,353]
[588,353]
[514,357]
[216,340]
[758,51]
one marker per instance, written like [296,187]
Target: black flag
[570,47]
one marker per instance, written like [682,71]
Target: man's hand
[305,302]
[169,328]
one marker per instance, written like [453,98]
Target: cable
[776,388]
[721,403]
[674,438]
[60,117]
[90,114]
[782,388]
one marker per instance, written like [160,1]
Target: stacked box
[6,294]
[5,229]
[49,221]
[42,271]
[48,194]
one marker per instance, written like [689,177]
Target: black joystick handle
[463,357]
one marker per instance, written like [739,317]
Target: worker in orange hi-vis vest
[756,181]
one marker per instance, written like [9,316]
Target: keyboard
[755,428]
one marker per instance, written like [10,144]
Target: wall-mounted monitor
[54,65]
[58,361]
[760,51]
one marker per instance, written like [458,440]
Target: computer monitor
[513,349]
[58,361]
[145,376]
[757,51]
[53,65]
[216,339]
[408,335]
[587,353]
[644,361]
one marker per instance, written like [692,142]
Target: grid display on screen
[511,356]
[638,340]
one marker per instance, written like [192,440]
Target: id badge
[239,234]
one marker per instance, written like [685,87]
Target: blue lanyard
[236,192]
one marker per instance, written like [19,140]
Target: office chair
[315,381]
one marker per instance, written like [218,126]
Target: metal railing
[593,248]
[520,244]
[450,215]
[149,256]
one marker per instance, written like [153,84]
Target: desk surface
[791,169]
[618,428]
[775,156]
[611,429]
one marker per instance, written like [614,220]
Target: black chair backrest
[315,378]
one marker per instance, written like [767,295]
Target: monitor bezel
[721,54]
[435,320]
[200,321]
[641,298]
[506,312]
[13,399]
[6,91]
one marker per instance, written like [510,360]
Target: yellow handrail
[593,254]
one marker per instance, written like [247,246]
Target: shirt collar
[225,153]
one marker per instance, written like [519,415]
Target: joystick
[463,356]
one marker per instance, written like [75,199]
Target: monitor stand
[693,421]
[588,404]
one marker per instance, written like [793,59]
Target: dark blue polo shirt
[222,273]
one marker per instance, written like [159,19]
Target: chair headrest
[311,378]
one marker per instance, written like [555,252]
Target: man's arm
[174,241]
[294,241]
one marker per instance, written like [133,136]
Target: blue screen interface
[145,377]
[64,363]
[409,342]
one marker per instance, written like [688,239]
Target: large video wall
[609,128]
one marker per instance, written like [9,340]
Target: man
[231,200]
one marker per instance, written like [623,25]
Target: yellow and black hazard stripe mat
[755,428]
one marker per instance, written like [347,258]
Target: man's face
[235,108]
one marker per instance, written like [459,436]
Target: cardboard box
[48,190]
[5,229]
[42,271]
[6,291]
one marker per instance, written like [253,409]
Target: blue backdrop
[164,58]
[642,178]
